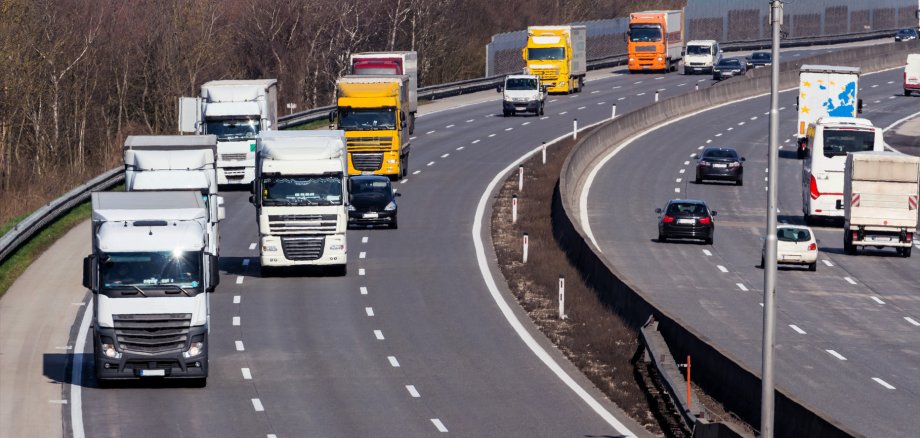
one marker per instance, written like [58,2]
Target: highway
[410,342]
[846,339]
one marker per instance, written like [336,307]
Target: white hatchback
[795,245]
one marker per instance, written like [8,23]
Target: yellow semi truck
[373,112]
[558,55]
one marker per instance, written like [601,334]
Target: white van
[700,56]
[912,74]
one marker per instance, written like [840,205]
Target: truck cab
[150,268]
[701,56]
[522,93]
[558,55]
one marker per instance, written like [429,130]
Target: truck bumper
[235,174]
[135,365]
[303,250]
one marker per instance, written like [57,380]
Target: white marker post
[514,202]
[574,129]
[656,96]
[543,149]
[526,243]
[697,87]
[613,111]
[520,178]
[562,297]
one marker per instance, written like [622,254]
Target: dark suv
[906,34]
[720,164]
[372,201]
[686,219]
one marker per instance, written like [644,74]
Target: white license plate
[881,238]
[791,257]
[686,221]
[153,373]
[370,216]
[720,166]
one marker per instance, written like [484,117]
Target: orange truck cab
[655,40]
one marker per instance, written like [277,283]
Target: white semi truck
[235,111]
[301,195]
[880,201]
[149,270]
[824,91]
[391,63]
[176,162]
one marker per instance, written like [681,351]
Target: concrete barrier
[719,373]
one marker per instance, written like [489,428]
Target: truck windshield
[233,130]
[377,67]
[151,270]
[699,50]
[545,54]
[842,142]
[644,33]
[521,84]
[300,190]
[356,119]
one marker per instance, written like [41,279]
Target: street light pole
[769,265]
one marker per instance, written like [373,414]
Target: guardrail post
[543,149]
[656,96]
[562,297]
[697,87]
[514,204]
[526,244]
[574,129]
[520,178]
[613,111]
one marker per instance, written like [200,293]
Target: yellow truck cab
[372,110]
[558,55]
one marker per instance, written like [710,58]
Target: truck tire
[340,270]
[198,383]
[906,92]
[905,252]
[506,113]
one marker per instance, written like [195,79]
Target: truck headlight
[391,161]
[337,247]
[108,349]
[390,207]
[269,248]
[194,349]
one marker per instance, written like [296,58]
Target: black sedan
[372,201]
[686,219]
[906,34]
[719,164]
[728,67]
[759,59]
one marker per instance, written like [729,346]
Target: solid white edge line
[506,309]
[76,374]
[583,199]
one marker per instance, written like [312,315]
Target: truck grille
[646,48]
[151,334]
[367,161]
[302,223]
[233,157]
[303,247]
[234,172]
[369,144]
[546,74]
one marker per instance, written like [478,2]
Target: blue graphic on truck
[845,104]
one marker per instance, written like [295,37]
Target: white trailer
[880,201]
[391,63]
[235,111]
[301,196]
[151,264]
[825,90]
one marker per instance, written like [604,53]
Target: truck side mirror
[859,106]
[89,266]
[252,199]
[332,116]
[213,210]
[796,103]
[221,210]
[402,119]
[524,53]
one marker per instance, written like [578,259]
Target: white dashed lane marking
[369,311]
[828,263]
[459,148]
[912,321]
[247,375]
[474,141]
[469,121]
[236,299]
[363,290]
[252,246]
[849,280]
[239,279]
[491,135]
[448,126]
[741,286]
[393,362]
[239,346]
[236,320]
[622,98]
[445,155]
[883,383]
[257,405]
[707,252]
[797,329]
[722,268]
[378,334]
[430,132]
[563,113]
[509,129]
[362,255]
[438,424]
[361,271]
[877,300]
[364,239]
[836,354]
[412,391]
[430,163]
[417,172]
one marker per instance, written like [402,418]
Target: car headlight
[705,164]
[734,164]
[391,206]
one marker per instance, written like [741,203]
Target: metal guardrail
[49,213]
[23,231]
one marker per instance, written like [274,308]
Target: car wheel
[763,264]
[661,237]
[813,266]
[739,182]
[698,180]
[848,246]
[709,241]
[506,113]
[394,225]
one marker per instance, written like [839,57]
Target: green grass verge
[19,261]
[11,223]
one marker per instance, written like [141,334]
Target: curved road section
[411,342]
[846,340]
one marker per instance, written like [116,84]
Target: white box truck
[880,201]
[235,111]
[176,162]
[391,63]
[300,194]
[558,54]
[825,90]
[149,271]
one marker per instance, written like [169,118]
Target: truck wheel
[265,271]
[506,113]
[340,270]
[198,383]
[906,92]
[905,252]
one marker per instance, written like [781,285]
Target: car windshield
[699,50]
[792,235]
[151,270]
[687,209]
[355,119]
[545,53]
[644,33]
[720,153]
[521,84]
[233,130]
[729,63]
[761,56]
[370,187]
[906,32]
[842,142]
[297,190]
